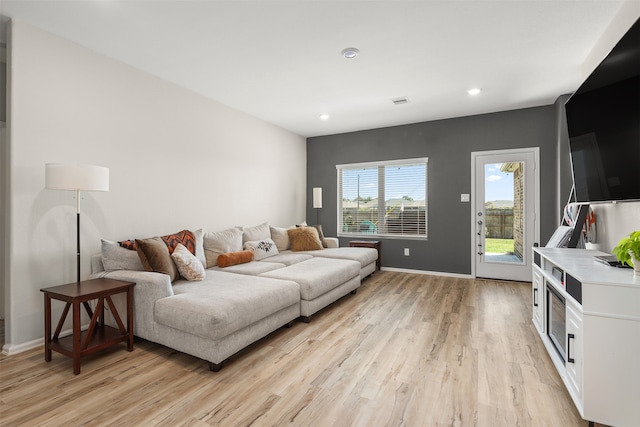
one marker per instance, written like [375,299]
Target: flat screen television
[603,120]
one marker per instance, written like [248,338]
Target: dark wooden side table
[98,336]
[375,244]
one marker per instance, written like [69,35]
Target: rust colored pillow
[234,258]
[304,239]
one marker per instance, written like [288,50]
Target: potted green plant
[628,251]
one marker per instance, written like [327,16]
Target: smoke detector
[399,101]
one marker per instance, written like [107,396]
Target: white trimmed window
[385,199]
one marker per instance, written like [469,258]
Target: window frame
[381,205]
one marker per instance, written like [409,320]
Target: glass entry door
[504,213]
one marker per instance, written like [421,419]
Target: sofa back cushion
[255,233]
[115,257]
[221,242]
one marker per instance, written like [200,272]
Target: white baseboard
[12,349]
[428,273]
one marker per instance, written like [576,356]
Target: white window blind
[383,199]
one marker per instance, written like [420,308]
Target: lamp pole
[78,232]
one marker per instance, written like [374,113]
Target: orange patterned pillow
[184,237]
[234,258]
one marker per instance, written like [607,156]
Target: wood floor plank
[406,350]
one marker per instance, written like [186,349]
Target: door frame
[536,196]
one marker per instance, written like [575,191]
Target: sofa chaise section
[219,316]
[211,319]
[322,281]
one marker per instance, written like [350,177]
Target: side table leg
[130,317]
[76,337]
[47,327]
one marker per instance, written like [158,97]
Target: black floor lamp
[76,178]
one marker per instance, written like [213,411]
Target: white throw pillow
[255,233]
[221,242]
[262,248]
[188,265]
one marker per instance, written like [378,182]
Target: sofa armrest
[96,264]
[332,242]
[150,287]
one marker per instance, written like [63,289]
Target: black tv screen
[603,120]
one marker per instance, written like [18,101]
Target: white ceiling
[280,60]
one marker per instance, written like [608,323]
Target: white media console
[598,356]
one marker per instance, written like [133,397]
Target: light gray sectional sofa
[232,307]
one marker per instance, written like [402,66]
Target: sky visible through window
[395,179]
[498,184]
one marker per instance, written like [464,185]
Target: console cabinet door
[574,350]
[537,299]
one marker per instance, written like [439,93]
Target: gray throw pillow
[115,257]
[255,233]
[281,238]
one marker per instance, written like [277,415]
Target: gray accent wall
[448,145]
[565,175]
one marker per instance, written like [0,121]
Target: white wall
[177,160]
[613,222]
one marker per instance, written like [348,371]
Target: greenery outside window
[383,199]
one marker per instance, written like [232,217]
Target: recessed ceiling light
[350,52]
[475,91]
[324,117]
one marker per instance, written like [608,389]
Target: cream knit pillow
[188,265]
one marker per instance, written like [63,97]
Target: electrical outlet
[406,251]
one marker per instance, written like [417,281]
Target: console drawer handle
[569,358]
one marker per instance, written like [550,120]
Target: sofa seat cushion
[252,268]
[224,303]
[317,276]
[288,258]
[364,256]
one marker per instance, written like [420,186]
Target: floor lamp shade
[317,197]
[76,178]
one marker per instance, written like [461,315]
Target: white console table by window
[602,336]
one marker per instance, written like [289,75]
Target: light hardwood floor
[406,350]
